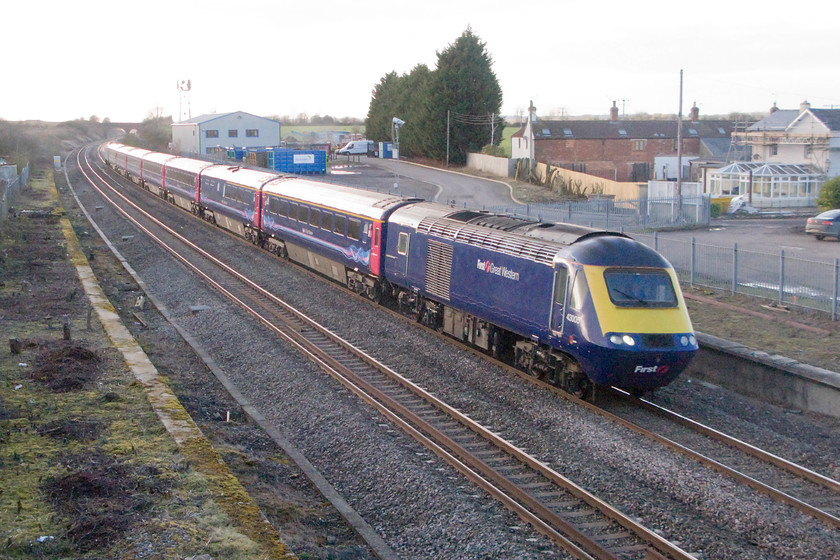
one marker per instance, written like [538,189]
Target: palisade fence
[779,277]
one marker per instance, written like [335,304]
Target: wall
[590,184]
[185,138]
[501,167]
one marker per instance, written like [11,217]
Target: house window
[639,145]
[252,133]
[773,150]
[809,149]
[211,133]
[233,133]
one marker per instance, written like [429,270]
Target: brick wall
[611,158]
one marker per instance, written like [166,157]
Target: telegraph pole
[679,151]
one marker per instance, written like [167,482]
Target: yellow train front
[618,312]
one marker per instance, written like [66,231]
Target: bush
[829,196]
[492,150]
[715,210]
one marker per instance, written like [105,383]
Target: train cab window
[402,244]
[354,229]
[339,224]
[314,217]
[326,221]
[640,287]
[560,281]
[303,214]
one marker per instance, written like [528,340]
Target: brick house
[617,149]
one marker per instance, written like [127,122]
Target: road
[429,183]
[763,235]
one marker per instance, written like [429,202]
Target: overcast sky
[122,60]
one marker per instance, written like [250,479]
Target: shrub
[829,196]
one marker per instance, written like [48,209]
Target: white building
[793,152]
[200,135]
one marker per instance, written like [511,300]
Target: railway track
[576,520]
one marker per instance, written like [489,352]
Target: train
[578,307]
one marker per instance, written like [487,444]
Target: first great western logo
[504,272]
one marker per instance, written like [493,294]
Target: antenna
[184,87]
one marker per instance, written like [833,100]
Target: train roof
[370,204]
[158,157]
[249,178]
[188,164]
[544,243]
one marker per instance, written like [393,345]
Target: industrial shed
[201,135]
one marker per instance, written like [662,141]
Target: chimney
[695,113]
[613,112]
[774,108]
[804,106]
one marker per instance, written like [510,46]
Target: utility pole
[492,128]
[532,112]
[679,151]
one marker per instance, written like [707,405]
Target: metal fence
[779,277]
[620,215]
[10,189]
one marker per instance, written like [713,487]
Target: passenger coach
[338,231]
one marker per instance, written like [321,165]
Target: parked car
[823,225]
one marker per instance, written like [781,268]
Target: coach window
[303,214]
[402,244]
[354,229]
[314,217]
[339,224]
[326,221]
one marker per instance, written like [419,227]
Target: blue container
[300,162]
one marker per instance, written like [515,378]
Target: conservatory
[773,184]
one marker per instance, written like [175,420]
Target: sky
[124,60]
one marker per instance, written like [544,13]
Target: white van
[355,147]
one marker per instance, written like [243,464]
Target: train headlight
[684,340]
[692,339]
[628,340]
[615,339]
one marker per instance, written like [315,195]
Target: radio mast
[184,87]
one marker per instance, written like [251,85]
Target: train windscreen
[640,288]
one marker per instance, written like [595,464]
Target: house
[619,149]
[792,153]
[801,137]
[202,135]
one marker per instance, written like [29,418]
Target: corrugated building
[202,135]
